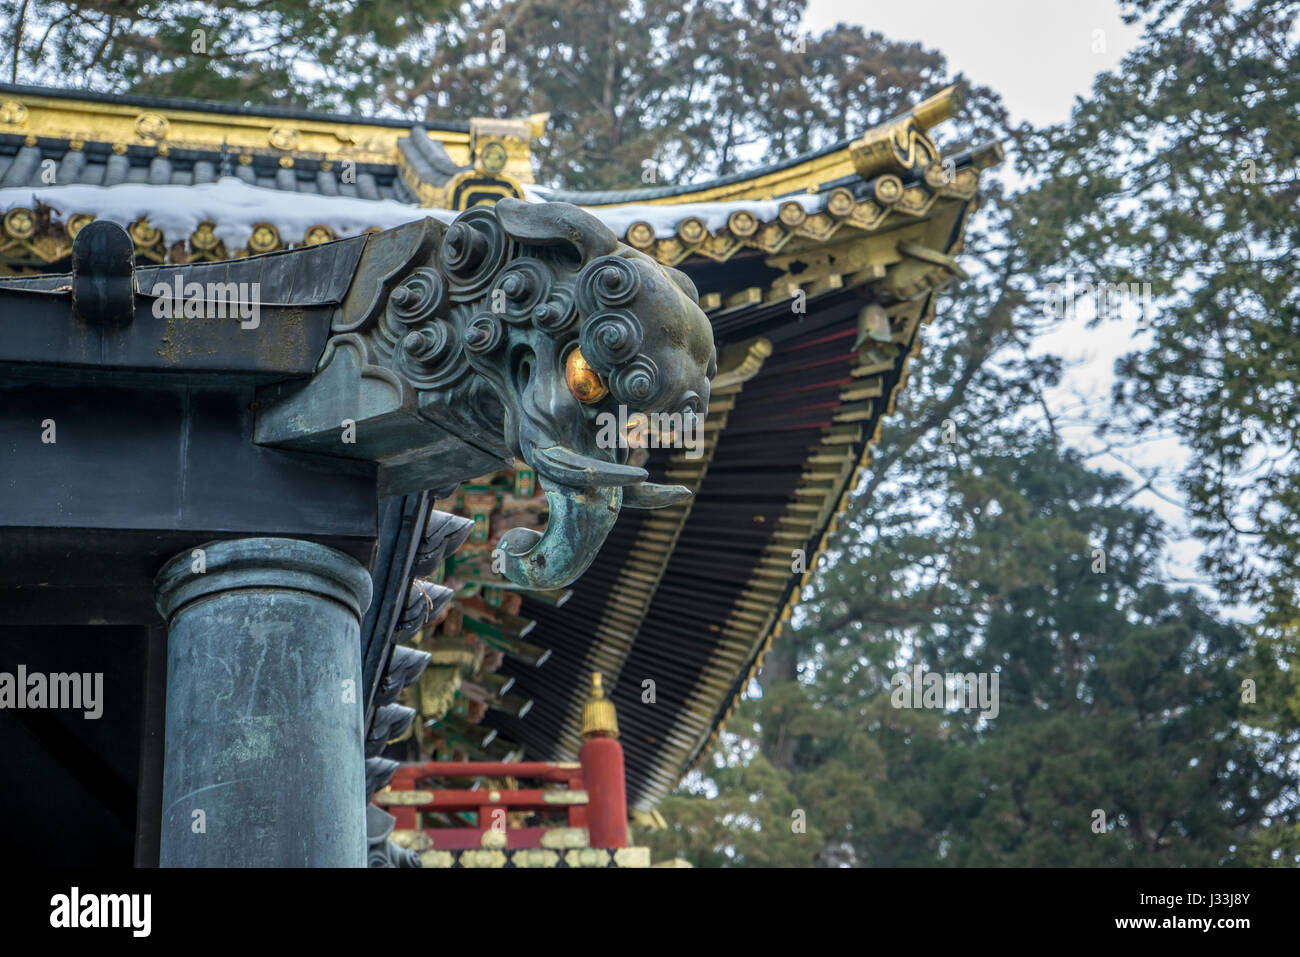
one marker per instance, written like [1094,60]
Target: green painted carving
[448,360]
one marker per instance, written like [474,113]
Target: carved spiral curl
[484,334]
[473,249]
[519,288]
[609,339]
[421,295]
[557,314]
[606,283]
[637,383]
[430,357]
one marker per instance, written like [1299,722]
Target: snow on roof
[235,207]
[664,218]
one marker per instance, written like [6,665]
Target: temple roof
[52,141]
[862,233]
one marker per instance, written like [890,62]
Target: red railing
[592,797]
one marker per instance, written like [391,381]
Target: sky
[1039,54]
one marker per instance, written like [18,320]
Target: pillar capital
[265,563]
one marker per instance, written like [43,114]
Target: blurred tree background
[973,544]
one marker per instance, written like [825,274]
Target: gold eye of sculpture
[584,382]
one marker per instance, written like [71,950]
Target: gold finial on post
[598,717]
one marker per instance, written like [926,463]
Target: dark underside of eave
[761,454]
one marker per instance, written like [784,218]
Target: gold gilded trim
[482,858]
[632,857]
[535,857]
[411,839]
[587,857]
[93,121]
[13,113]
[563,796]
[566,837]
[392,798]
[152,126]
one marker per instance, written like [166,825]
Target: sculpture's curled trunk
[580,518]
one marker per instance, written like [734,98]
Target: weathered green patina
[447,359]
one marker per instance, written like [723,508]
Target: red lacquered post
[602,770]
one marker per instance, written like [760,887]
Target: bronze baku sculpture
[504,335]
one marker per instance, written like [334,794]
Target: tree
[1179,171]
[690,88]
[325,55]
[1119,737]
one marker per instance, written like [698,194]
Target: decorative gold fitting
[742,223]
[692,229]
[319,233]
[20,223]
[482,858]
[76,222]
[204,238]
[587,857]
[412,839]
[13,113]
[632,857]
[792,214]
[265,238]
[888,189]
[534,857]
[537,124]
[143,234]
[561,796]
[566,837]
[942,106]
[584,382]
[641,235]
[598,716]
[389,797]
[936,177]
[284,138]
[152,126]
[840,202]
[990,154]
[493,156]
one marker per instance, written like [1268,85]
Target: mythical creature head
[518,331]
[573,326]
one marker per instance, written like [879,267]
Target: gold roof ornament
[152,127]
[598,717]
[13,113]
